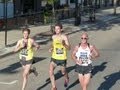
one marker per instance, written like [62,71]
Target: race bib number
[23,57]
[59,50]
[84,58]
[84,61]
[24,52]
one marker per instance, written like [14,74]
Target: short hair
[85,33]
[59,24]
[26,29]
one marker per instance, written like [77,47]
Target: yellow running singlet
[26,53]
[59,51]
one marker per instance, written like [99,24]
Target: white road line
[9,83]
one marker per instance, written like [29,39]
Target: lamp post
[53,15]
[5,20]
[115,5]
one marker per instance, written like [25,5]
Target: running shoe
[35,71]
[66,82]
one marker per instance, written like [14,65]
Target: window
[1,1]
[72,1]
[9,0]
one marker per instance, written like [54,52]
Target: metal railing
[37,18]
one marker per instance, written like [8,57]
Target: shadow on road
[102,25]
[95,70]
[43,38]
[73,84]
[58,75]
[110,81]
[11,69]
[11,45]
[99,68]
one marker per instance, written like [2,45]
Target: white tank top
[84,55]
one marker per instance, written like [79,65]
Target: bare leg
[64,72]
[84,80]
[51,74]
[26,70]
[81,80]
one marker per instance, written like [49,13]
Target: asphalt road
[106,71]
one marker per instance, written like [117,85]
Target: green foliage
[50,1]
[48,13]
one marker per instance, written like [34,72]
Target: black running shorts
[24,62]
[59,62]
[83,69]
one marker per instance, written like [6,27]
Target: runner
[59,55]
[25,46]
[82,55]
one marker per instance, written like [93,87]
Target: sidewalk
[42,33]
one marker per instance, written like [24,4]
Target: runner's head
[58,28]
[84,37]
[26,33]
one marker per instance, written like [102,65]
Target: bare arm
[17,47]
[74,56]
[94,52]
[51,47]
[35,44]
[66,42]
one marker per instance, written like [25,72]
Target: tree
[52,2]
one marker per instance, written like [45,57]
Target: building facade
[20,7]
[9,6]
[17,7]
[101,3]
[25,6]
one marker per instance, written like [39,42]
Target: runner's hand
[79,62]
[51,49]
[63,42]
[24,45]
[90,57]
[65,45]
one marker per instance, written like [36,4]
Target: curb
[6,54]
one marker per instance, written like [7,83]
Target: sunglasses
[84,38]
